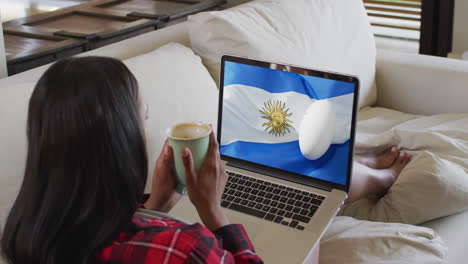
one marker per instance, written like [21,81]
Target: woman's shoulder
[154,238]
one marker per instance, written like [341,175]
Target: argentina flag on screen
[263,110]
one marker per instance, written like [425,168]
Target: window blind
[395,18]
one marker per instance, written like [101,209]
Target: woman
[86,171]
[85,176]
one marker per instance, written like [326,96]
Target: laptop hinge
[279,175]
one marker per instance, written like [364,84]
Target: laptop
[286,136]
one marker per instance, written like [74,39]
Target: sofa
[413,84]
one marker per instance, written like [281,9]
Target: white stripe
[224,255]
[171,247]
[247,251]
[156,246]
[344,114]
[242,120]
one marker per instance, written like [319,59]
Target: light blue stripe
[275,81]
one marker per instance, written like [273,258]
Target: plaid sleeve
[234,239]
[209,246]
[159,240]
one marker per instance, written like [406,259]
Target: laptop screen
[288,118]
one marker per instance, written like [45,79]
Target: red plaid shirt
[161,240]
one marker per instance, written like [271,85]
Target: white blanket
[355,241]
[434,184]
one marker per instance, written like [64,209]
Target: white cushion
[434,184]
[332,35]
[352,241]
[177,88]
[14,101]
[414,83]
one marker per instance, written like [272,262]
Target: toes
[394,151]
[389,158]
[401,157]
[405,158]
[408,158]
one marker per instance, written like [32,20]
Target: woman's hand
[163,195]
[206,187]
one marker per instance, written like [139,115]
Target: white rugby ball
[317,129]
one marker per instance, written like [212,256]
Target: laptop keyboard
[273,202]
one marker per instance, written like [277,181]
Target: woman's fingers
[190,174]
[168,155]
[213,152]
[164,156]
[165,160]
[213,156]
[213,149]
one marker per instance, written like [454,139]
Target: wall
[460,27]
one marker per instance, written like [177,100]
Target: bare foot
[367,181]
[399,164]
[386,178]
[381,161]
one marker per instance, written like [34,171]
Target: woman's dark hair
[86,165]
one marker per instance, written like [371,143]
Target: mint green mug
[196,137]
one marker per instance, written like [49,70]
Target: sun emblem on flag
[277,122]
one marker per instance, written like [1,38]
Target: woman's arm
[205,190]
[206,187]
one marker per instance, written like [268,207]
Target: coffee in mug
[190,131]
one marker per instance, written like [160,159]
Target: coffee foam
[189,130]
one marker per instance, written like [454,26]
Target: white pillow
[330,35]
[14,101]
[177,88]
[434,184]
[352,241]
